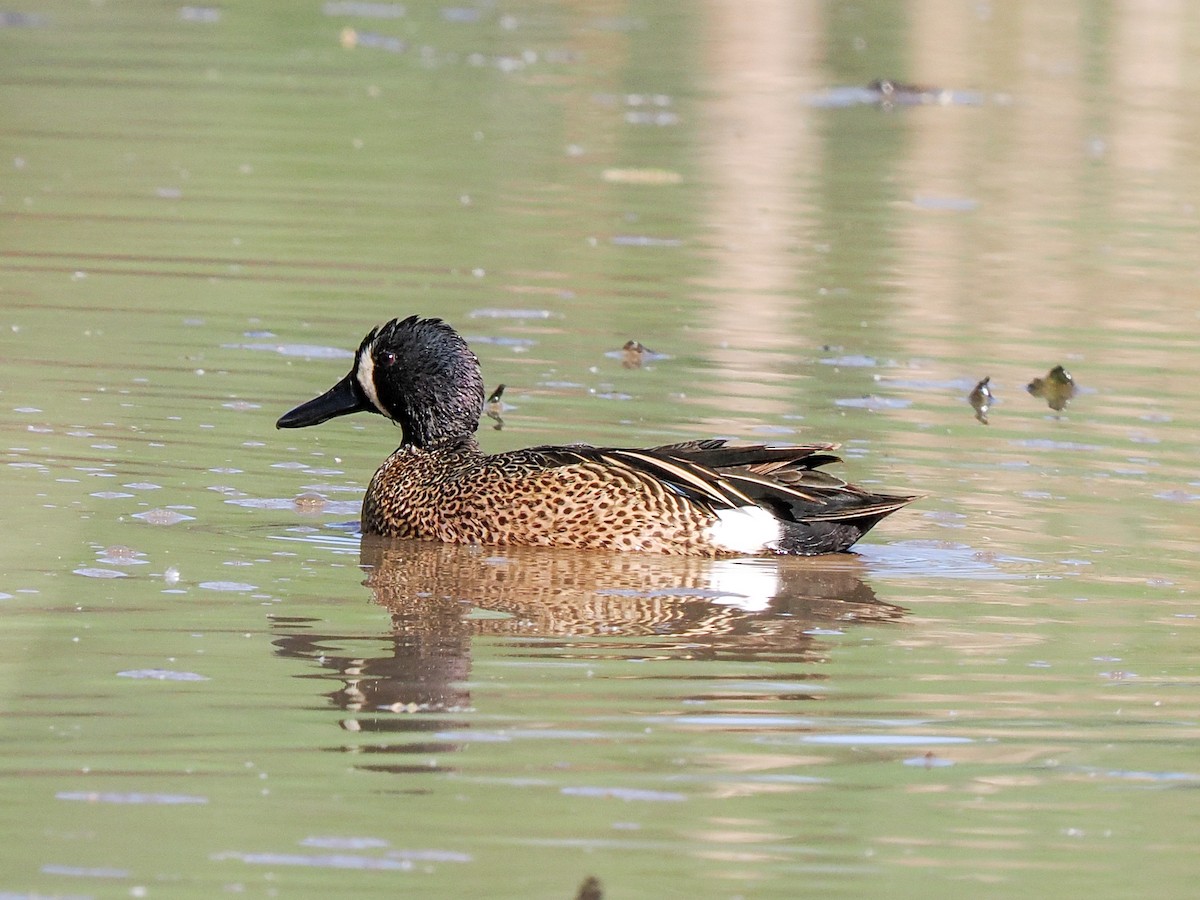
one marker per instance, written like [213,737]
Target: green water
[208,688]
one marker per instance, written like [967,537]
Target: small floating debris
[981,398]
[929,760]
[899,92]
[310,502]
[591,889]
[495,406]
[328,507]
[888,93]
[1057,388]
[634,354]
[120,555]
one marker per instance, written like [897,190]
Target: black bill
[343,398]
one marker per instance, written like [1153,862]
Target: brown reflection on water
[728,609]
[581,605]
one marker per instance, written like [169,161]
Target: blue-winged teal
[701,498]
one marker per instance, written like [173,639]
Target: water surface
[211,685]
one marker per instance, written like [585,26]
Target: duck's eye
[387,359]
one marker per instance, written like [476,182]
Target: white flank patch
[748,584]
[366,378]
[747,529]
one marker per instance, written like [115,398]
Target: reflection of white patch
[747,529]
[748,584]
[366,377]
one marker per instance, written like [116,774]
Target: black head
[418,372]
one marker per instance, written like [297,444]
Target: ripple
[882,740]
[230,586]
[81,872]
[933,559]
[493,312]
[929,761]
[163,517]
[133,798]
[308,351]
[1047,444]
[628,794]
[643,240]
[850,360]
[344,843]
[161,675]
[321,861]
[92,572]
[937,203]
[498,341]
[1177,496]
[873,402]
[329,507]
[364,10]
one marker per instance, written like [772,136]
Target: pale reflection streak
[758,147]
[1027,182]
[1150,57]
[1053,179]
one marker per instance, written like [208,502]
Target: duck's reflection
[576,604]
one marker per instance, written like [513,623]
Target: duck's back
[698,499]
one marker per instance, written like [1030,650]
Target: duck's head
[418,372]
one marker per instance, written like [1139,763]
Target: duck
[709,497]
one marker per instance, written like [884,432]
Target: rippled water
[211,685]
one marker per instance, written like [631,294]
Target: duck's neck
[453,422]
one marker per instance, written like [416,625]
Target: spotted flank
[700,498]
